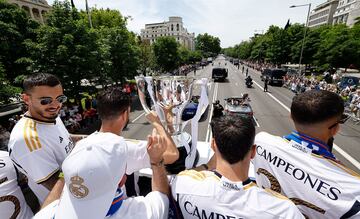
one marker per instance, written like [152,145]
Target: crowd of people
[350,94]
[77,117]
[84,176]
[330,82]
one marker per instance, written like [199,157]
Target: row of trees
[67,47]
[325,47]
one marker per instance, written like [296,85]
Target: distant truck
[236,61]
[219,74]
[209,60]
[275,76]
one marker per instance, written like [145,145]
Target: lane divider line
[143,113]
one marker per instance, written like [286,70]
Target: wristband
[161,163]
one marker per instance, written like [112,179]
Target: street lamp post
[306,24]
[88,12]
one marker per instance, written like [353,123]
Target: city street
[271,110]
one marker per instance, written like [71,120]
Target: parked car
[275,76]
[219,74]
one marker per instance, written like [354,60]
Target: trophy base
[179,165]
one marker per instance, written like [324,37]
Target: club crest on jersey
[61,139]
[77,188]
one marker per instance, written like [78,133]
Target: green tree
[194,56]
[277,51]
[119,49]
[6,89]
[102,18]
[66,47]
[311,46]
[207,44]
[15,28]
[124,53]
[146,57]
[338,47]
[166,53]
[184,55]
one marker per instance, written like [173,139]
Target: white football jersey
[12,201]
[207,194]
[320,187]
[38,150]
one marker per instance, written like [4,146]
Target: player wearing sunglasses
[40,142]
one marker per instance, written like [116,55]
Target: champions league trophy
[168,96]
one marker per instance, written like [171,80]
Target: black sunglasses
[344,118]
[49,100]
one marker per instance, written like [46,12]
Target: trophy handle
[142,92]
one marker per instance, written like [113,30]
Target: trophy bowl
[168,97]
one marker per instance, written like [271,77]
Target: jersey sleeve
[154,205]
[137,156]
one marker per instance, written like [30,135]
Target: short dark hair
[316,106]
[111,102]
[40,79]
[234,135]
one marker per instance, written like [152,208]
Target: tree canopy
[325,46]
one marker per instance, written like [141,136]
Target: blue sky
[230,20]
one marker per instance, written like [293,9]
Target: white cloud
[230,20]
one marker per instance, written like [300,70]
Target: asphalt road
[271,111]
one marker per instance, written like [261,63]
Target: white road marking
[257,124]
[138,117]
[337,148]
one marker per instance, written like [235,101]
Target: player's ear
[26,98]
[123,115]
[253,151]
[213,144]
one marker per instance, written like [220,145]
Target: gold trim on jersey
[248,186]
[25,135]
[132,140]
[48,176]
[346,169]
[31,135]
[200,176]
[278,195]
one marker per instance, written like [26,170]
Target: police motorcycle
[248,82]
[217,109]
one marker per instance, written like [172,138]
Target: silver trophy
[168,96]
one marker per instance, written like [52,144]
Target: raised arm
[171,153]
[156,148]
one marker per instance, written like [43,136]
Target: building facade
[174,27]
[36,9]
[323,14]
[346,12]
